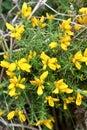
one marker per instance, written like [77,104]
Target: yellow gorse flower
[79,99]
[6,56]
[66,38]
[31,55]
[39,82]
[18,113]
[82,19]
[70,100]
[85,56]
[10,73]
[26,11]
[65,42]
[11,115]
[83,10]
[78,57]
[16,31]
[47,122]
[61,87]
[66,24]
[49,16]
[53,45]
[50,62]
[67,27]
[78,27]
[38,22]
[4,64]
[22,64]
[67,101]
[15,83]
[10,66]
[51,100]
[21,115]
[35,22]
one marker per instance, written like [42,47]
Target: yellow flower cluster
[78,57]
[53,45]
[15,84]
[51,100]
[49,16]
[41,21]
[18,113]
[16,32]
[80,97]
[50,62]
[21,64]
[39,82]
[61,87]
[82,19]
[47,122]
[26,11]
[67,101]
[65,40]
[31,55]
[38,22]
[73,99]
[78,27]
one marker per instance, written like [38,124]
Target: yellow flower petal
[64,106]
[44,75]
[78,66]
[11,86]
[12,67]
[21,86]
[53,45]
[4,64]
[21,116]
[77,27]
[79,99]
[68,90]
[56,91]
[83,10]
[11,115]
[40,90]
[10,27]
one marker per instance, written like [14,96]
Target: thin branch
[39,3]
[11,46]
[79,33]
[3,18]
[14,19]
[15,125]
[11,10]
[16,50]
[61,14]
[3,121]
[1,74]
[5,43]
[25,126]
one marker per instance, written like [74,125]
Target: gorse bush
[43,68]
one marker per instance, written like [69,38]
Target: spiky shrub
[44,68]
